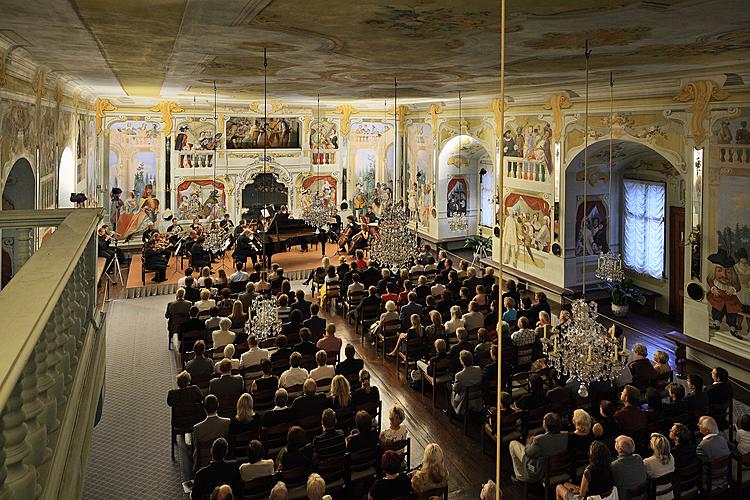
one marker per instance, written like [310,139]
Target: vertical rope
[587,53]
[609,185]
[500,253]
[265,142]
[395,139]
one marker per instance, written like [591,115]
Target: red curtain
[534,203]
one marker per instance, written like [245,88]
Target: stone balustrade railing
[52,359]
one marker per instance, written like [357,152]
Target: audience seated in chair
[256,466]
[228,354]
[330,343]
[310,403]
[200,364]
[433,474]
[254,354]
[395,432]
[330,443]
[280,413]
[711,447]
[363,436]
[630,417]
[223,335]
[660,463]
[227,386]
[295,375]
[628,469]
[350,365]
[683,447]
[245,419]
[297,452]
[530,461]
[394,483]
[209,429]
[185,394]
[366,393]
[469,376]
[218,472]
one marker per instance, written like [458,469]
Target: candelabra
[264,319]
[315,213]
[583,350]
[397,245]
[609,267]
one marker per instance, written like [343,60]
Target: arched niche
[66,178]
[272,174]
[19,193]
[459,164]
[604,201]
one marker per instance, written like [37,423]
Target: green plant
[475,242]
[624,292]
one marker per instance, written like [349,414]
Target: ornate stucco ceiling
[351,50]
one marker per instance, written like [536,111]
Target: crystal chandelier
[264,320]
[583,350]
[315,213]
[214,240]
[396,245]
[609,267]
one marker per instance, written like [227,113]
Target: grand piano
[285,232]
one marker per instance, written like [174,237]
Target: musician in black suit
[156,260]
[371,217]
[148,232]
[226,223]
[174,231]
[246,247]
[200,256]
[335,221]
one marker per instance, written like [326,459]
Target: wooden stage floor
[296,264]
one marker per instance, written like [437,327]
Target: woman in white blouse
[455,322]
[660,463]
[395,432]
[206,302]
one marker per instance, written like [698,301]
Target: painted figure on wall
[326,133]
[253,133]
[526,228]
[733,132]
[134,154]
[723,288]
[457,196]
[200,199]
[591,229]
[531,141]
[193,137]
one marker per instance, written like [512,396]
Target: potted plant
[622,294]
[480,245]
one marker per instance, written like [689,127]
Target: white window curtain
[643,230]
[487,194]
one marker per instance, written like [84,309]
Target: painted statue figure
[723,287]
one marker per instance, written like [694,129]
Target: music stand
[116,263]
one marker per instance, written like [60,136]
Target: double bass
[345,235]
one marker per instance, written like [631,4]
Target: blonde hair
[326,263]
[661,448]
[245,411]
[509,303]
[416,323]
[229,351]
[341,390]
[205,294]
[225,324]
[205,272]
[455,312]
[661,357]
[183,379]
[316,487]
[433,464]
[397,414]
[436,318]
[582,421]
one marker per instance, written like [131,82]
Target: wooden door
[676,263]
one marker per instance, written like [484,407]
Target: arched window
[66,178]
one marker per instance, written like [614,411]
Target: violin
[345,235]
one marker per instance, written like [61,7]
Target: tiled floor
[130,454]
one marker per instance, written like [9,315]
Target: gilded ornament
[166,108]
[435,110]
[402,112]
[701,92]
[346,111]
[101,106]
[557,103]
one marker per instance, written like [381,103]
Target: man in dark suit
[277,280]
[228,386]
[463,343]
[156,260]
[530,461]
[643,371]
[185,394]
[193,324]
[469,376]
[630,417]
[176,309]
[280,413]
[720,394]
[310,403]
[248,296]
[489,372]
[371,275]
[219,471]
[305,347]
[283,351]
[411,307]
[697,398]
[301,305]
[369,301]
[200,364]
[471,280]
[315,323]
[209,429]
[350,365]
[199,255]
[384,280]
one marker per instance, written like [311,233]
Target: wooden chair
[238,443]
[413,351]
[249,374]
[741,464]
[441,375]
[294,391]
[263,400]
[188,341]
[367,316]
[259,488]
[488,433]
[533,418]
[237,286]
[403,447]
[184,417]
[173,325]
[353,379]
[640,492]
[228,406]
[716,477]
[375,409]
[279,366]
[519,384]
[686,481]
[352,301]
[556,473]
[308,362]
[344,419]
[333,471]
[144,270]
[662,485]
[202,380]
[311,425]
[436,493]
[388,332]
[296,481]
[274,438]
[362,470]
[324,385]
[472,394]
[333,357]
[523,356]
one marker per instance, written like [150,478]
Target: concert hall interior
[388,250]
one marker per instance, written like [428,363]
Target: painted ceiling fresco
[344,49]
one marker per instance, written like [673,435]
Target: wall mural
[729,132]
[15,136]
[329,138]
[91,155]
[526,227]
[134,154]
[368,153]
[310,184]
[419,165]
[200,199]
[530,139]
[194,136]
[458,196]
[81,148]
[47,144]
[248,133]
[591,227]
